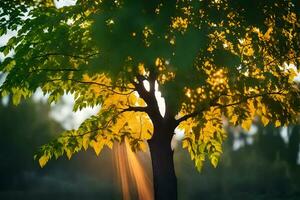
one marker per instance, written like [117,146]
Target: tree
[209,60]
[17,149]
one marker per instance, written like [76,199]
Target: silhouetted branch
[108,87]
[83,57]
[135,109]
[217,105]
[57,70]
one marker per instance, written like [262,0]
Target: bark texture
[164,177]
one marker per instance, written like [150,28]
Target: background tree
[208,59]
[22,130]
[258,169]
[15,152]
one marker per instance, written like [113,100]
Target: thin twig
[65,55]
[108,87]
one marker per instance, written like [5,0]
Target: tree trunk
[164,178]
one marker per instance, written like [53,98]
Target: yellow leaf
[252,108]
[198,164]
[292,75]
[141,102]
[97,146]
[132,99]
[141,68]
[109,143]
[85,141]
[143,146]
[263,109]
[277,123]
[214,161]
[69,153]
[246,124]
[158,62]
[264,120]
[234,119]
[267,35]
[185,144]
[43,160]
[217,145]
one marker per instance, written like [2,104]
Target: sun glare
[133,176]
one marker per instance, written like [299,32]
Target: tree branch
[245,99]
[108,87]
[148,96]
[135,109]
[57,70]
[104,126]
[65,55]
[214,103]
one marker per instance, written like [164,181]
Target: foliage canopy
[211,60]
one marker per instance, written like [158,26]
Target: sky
[63,113]
[62,3]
